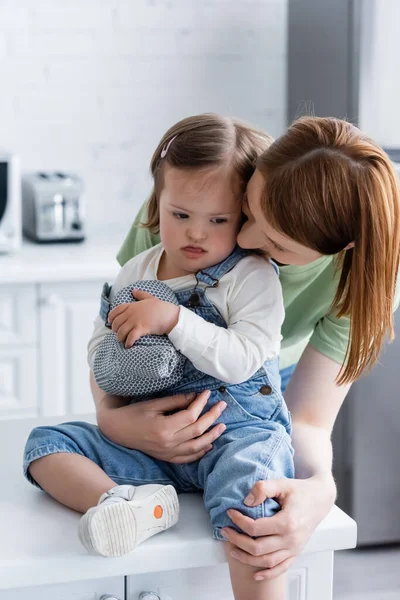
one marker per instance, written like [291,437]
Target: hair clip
[166,147]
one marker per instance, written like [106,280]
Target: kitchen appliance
[10,203]
[53,207]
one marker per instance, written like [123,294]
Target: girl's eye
[218,221]
[180,216]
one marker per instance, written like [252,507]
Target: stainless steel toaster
[53,207]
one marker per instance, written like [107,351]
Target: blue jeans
[251,449]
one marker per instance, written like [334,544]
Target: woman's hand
[281,538]
[150,427]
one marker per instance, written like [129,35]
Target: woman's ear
[351,245]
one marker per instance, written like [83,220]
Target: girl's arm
[131,271]
[256,312]
[314,400]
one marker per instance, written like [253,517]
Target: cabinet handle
[107,597]
[148,596]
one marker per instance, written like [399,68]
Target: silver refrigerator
[366,442]
[324,57]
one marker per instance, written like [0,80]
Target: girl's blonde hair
[204,141]
[327,185]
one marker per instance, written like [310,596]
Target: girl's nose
[196,235]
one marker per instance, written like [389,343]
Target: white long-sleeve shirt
[249,297]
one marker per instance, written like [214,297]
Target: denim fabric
[255,445]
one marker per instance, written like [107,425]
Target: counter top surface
[40,545]
[37,263]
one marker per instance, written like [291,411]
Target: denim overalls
[255,445]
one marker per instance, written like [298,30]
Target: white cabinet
[18,382]
[310,578]
[18,351]
[18,318]
[44,331]
[67,311]
[112,588]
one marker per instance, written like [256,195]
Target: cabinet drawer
[18,379]
[18,320]
[310,578]
[111,588]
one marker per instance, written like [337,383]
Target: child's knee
[42,442]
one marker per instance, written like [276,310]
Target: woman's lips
[193,251]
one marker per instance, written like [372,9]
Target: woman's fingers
[187,458]
[182,438]
[269,488]
[275,571]
[244,542]
[198,444]
[195,426]
[266,561]
[189,415]
[258,527]
[172,403]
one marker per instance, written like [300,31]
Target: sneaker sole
[117,529]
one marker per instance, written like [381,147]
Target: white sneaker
[126,516]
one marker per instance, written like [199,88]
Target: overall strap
[213,274]
[275,266]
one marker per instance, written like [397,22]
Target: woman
[324,202]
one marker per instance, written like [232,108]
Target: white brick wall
[92,85]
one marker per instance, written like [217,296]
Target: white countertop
[40,545]
[33,263]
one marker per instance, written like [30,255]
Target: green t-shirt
[308,293]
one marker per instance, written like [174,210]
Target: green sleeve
[138,239]
[331,336]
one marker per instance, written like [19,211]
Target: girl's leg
[126,496]
[72,479]
[245,587]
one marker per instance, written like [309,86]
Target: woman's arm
[314,400]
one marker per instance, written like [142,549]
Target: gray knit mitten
[151,365]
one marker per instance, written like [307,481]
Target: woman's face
[257,233]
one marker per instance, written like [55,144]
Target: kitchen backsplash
[91,86]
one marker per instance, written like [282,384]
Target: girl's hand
[131,321]
[281,538]
[150,427]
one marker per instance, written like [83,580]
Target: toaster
[53,207]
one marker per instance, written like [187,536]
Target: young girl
[227,324]
[324,202]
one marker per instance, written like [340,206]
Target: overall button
[265,390]
[222,389]
[194,300]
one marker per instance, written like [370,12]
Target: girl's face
[257,233]
[200,216]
